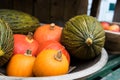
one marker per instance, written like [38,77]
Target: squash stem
[58,56]
[1,52]
[30,35]
[28,53]
[88,41]
[52,25]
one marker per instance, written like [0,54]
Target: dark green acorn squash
[20,22]
[6,42]
[83,37]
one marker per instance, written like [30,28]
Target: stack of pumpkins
[31,49]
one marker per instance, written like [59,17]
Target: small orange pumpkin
[50,62]
[48,32]
[21,65]
[50,44]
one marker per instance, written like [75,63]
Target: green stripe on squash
[20,22]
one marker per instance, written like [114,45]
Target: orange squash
[50,44]
[50,62]
[48,32]
[20,65]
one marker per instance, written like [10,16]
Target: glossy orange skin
[22,43]
[46,65]
[20,65]
[44,33]
[50,44]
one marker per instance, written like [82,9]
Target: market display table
[111,71]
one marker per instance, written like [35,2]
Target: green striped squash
[20,22]
[6,42]
[83,37]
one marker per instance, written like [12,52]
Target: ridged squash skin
[20,22]
[83,37]
[6,43]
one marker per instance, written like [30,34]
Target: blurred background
[106,11]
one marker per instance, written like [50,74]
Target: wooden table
[111,71]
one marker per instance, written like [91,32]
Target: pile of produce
[46,50]
[114,27]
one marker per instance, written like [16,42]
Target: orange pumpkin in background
[50,44]
[25,42]
[48,32]
[21,65]
[50,62]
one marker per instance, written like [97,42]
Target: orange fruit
[48,32]
[20,65]
[50,62]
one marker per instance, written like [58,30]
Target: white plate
[82,70]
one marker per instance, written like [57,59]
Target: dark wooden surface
[55,10]
[116,17]
[95,8]
[42,9]
[23,5]
[48,10]
[6,4]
